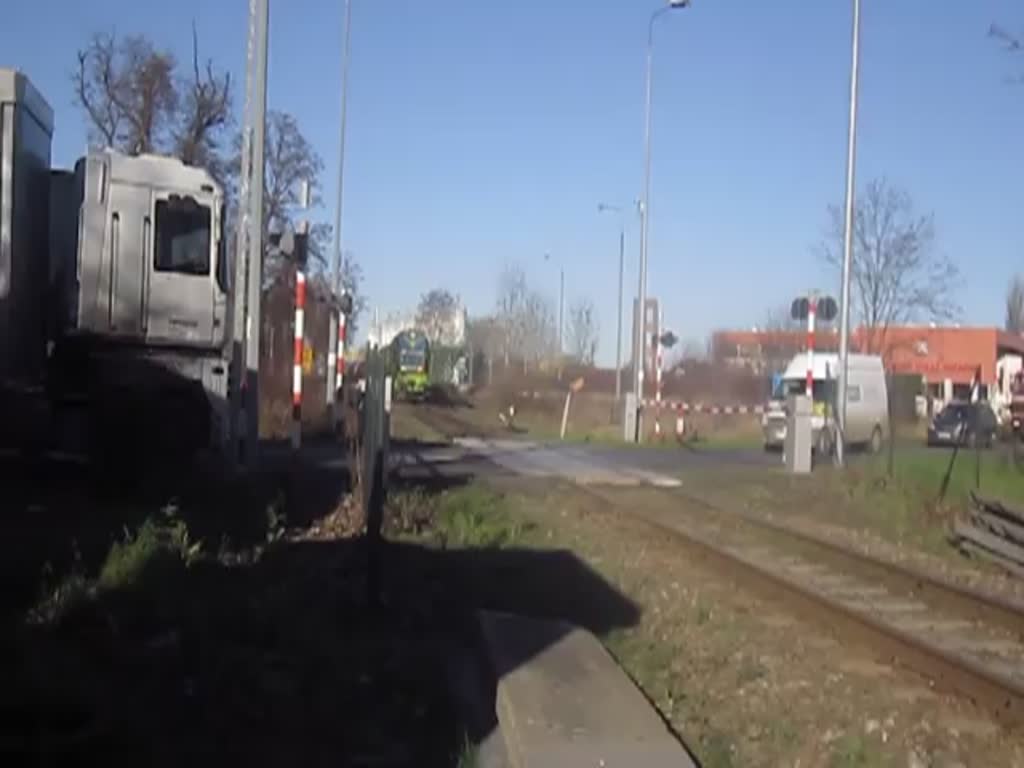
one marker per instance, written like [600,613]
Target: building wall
[936,354]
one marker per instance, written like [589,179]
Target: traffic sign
[800,309]
[827,309]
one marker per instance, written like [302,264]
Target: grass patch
[923,472]
[61,598]
[468,756]
[855,751]
[477,518]
[164,540]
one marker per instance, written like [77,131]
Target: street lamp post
[851,161]
[638,361]
[561,307]
[601,207]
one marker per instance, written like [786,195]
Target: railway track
[444,420]
[965,641]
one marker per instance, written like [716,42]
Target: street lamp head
[678,3]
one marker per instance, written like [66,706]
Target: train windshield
[182,236]
[412,353]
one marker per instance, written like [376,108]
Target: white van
[867,402]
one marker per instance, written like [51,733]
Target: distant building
[945,357]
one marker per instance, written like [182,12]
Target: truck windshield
[182,236]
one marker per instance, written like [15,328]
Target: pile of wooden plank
[993,530]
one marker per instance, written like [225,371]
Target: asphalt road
[587,464]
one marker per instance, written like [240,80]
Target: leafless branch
[93,82]
[583,331]
[897,274]
[205,113]
[436,316]
[126,90]
[1011,42]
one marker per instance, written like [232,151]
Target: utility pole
[336,323]
[618,318]
[561,312]
[851,162]
[644,206]
[601,207]
[248,263]
[238,294]
[336,282]
[255,252]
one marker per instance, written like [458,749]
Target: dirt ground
[745,684]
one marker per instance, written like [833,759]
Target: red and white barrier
[714,410]
[657,381]
[300,316]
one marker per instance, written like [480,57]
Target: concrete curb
[563,702]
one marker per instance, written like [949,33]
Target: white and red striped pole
[657,377]
[812,310]
[300,316]
[339,376]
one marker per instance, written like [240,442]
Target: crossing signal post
[810,308]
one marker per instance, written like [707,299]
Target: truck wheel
[875,445]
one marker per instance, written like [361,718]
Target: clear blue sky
[485,132]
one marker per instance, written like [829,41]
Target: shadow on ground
[255,640]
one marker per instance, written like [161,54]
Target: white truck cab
[867,401]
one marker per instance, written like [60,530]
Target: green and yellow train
[410,363]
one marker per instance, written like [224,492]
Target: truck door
[129,244]
[180,307]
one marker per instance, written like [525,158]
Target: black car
[968,424]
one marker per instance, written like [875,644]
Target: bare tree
[780,319]
[583,331]
[511,309]
[539,328]
[126,89]
[486,335]
[1015,305]
[436,315]
[1011,43]
[205,113]
[289,160]
[897,276]
[134,101]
